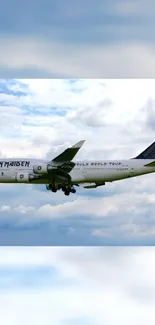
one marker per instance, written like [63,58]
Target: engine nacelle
[42,168]
[26,178]
[48,187]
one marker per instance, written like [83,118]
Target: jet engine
[26,178]
[42,168]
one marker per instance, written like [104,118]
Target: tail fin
[148,153]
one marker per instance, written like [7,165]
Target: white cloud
[129,215]
[112,105]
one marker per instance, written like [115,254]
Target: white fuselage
[84,171]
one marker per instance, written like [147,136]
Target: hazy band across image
[40,119]
[84,286]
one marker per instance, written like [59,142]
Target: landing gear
[73,190]
[52,188]
[68,190]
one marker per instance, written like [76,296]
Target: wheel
[73,190]
[67,192]
[53,189]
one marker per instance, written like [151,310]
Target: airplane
[62,173]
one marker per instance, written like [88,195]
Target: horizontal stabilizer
[67,156]
[152,164]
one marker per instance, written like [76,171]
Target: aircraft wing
[66,157]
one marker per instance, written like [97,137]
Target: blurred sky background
[77,39]
[84,286]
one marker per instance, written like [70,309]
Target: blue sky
[109,39]
[77,285]
[39,119]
